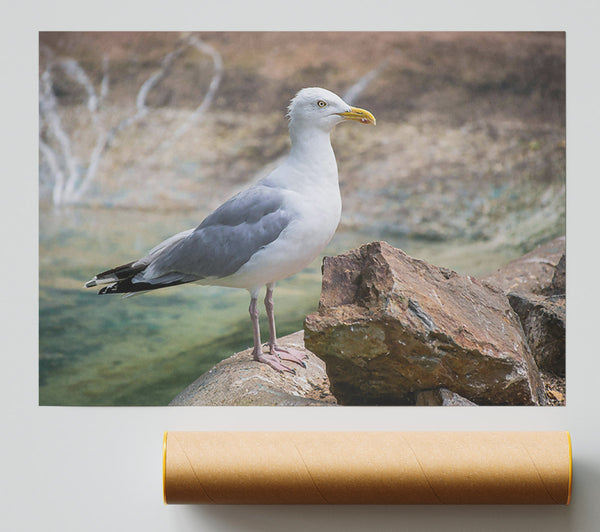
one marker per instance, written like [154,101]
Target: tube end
[164,466]
[570,467]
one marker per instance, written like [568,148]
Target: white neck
[311,152]
[310,165]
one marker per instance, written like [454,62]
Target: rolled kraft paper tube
[367,467]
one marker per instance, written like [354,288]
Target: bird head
[315,107]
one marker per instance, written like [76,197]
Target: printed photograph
[302,218]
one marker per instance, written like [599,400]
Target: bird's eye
[322,103]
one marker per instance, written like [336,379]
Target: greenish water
[144,350]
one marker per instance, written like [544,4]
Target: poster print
[444,283]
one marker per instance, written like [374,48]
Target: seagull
[264,234]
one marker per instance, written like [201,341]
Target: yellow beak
[360,115]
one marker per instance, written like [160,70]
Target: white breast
[316,217]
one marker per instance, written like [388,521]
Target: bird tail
[120,273]
[120,280]
[120,277]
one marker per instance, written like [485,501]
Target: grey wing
[223,242]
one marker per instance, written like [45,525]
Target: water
[144,350]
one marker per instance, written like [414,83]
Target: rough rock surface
[559,279]
[535,285]
[441,397]
[238,380]
[389,325]
[543,320]
[534,272]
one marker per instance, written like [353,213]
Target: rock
[544,322]
[559,280]
[389,326]
[238,380]
[535,285]
[534,272]
[441,397]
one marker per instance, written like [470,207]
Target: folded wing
[217,248]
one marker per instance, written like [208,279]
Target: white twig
[166,62]
[67,189]
[210,94]
[59,177]
[48,110]
[104,85]
[140,101]
[359,87]
[76,188]
[77,74]
[90,173]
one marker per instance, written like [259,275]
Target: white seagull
[264,234]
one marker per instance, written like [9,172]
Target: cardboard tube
[367,467]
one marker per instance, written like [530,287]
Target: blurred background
[144,134]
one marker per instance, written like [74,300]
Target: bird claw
[291,355]
[273,361]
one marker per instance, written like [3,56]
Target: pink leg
[290,354]
[258,355]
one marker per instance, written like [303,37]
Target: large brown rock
[239,381]
[389,326]
[535,285]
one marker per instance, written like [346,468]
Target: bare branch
[105,79]
[104,139]
[77,74]
[73,193]
[95,158]
[59,177]
[68,189]
[210,94]
[358,88]
[70,186]
[166,62]
[48,110]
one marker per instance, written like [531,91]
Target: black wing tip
[123,270]
[108,290]
[128,287]
[121,287]
[117,276]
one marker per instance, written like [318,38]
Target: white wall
[98,469]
